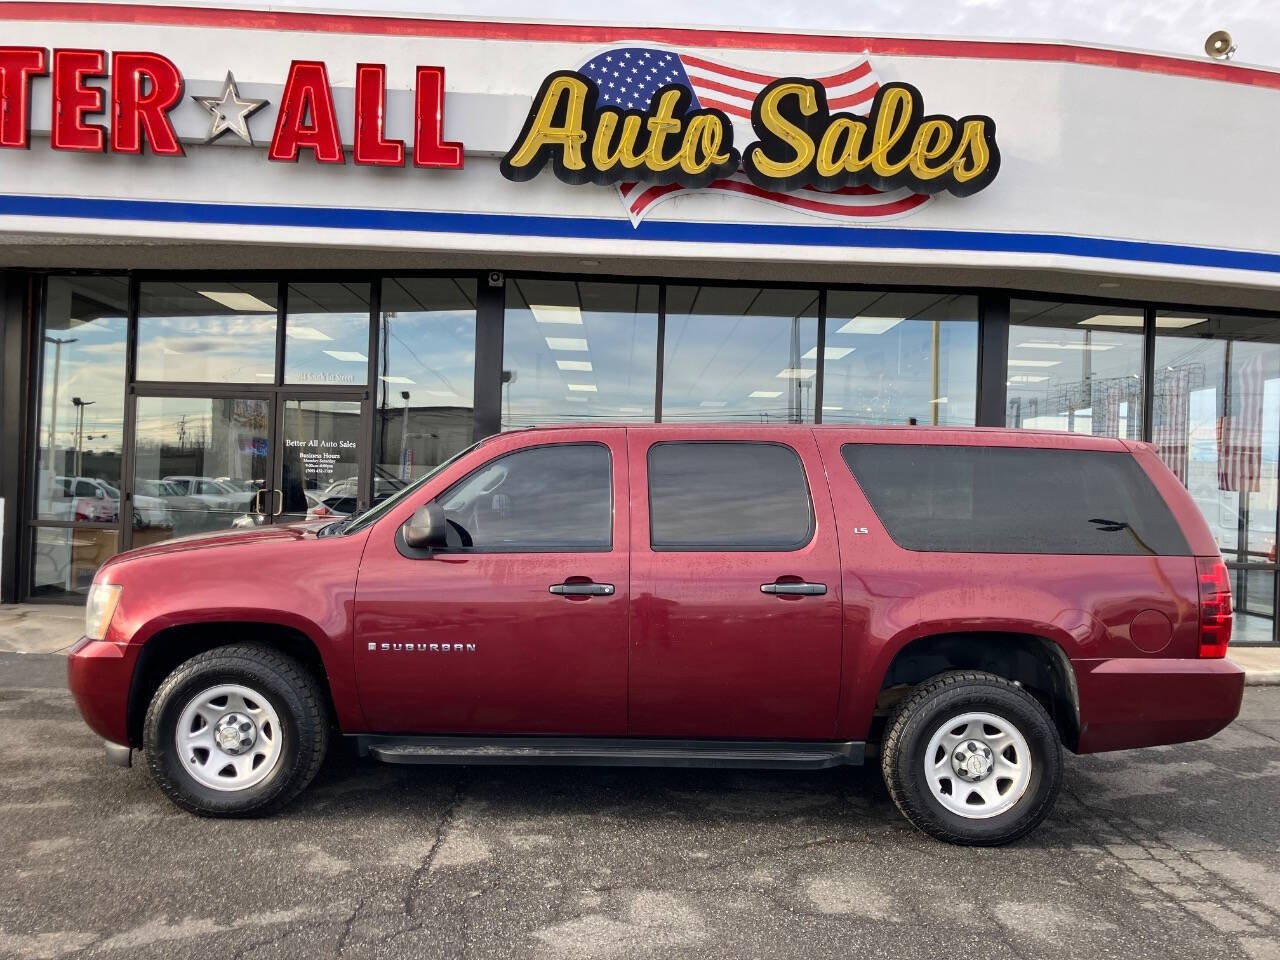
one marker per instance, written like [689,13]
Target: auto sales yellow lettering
[800,143]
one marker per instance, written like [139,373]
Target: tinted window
[556,497]
[727,496]
[1006,500]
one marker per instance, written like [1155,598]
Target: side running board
[590,751]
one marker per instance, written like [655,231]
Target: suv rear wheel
[972,758]
[236,731]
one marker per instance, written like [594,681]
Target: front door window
[319,460]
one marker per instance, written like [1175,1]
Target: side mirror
[426,529]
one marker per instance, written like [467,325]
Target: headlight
[100,608]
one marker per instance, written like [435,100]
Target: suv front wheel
[972,758]
[236,731]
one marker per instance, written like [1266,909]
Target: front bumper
[1137,702]
[99,674]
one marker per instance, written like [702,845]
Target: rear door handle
[581,589]
[795,589]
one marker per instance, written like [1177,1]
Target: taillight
[1215,607]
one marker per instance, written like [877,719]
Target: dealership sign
[654,123]
[145,88]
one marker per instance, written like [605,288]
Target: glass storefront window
[207,332]
[578,351]
[65,559]
[319,459]
[900,358]
[81,431]
[1216,424]
[327,334]
[200,464]
[426,377]
[1075,367]
[745,354]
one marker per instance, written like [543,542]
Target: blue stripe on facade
[358,218]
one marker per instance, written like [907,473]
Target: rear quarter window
[958,499]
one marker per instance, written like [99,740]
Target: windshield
[371,515]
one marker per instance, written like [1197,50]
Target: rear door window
[728,497]
[961,499]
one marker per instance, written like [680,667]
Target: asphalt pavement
[1168,853]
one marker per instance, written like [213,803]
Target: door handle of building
[279,501]
[795,589]
[581,589]
[257,501]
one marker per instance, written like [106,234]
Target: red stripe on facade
[853,99]
[699,64]
[733,108]
[701,82]
[347,23]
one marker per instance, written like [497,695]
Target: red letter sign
[371,145]
[17,65]
[429,147]
[307,97]
[72,99]
[136,110]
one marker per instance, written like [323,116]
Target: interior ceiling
[44,252]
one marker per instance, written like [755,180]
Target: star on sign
[229,112]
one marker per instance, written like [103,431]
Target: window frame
[810,532]
[608,450]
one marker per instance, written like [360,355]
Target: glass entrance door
[319,457]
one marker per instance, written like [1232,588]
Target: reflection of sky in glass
[880,354]
[327,334]
[1192,376]
[1075,367]
[579,352]
[187,332]
[739,353]
[87,314]
[426,374]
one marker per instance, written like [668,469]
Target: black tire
[290,690]
[927,710]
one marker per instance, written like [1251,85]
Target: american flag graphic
[1171,421]
[1240,429]
[628,78]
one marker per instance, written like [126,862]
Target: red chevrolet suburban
[960,604]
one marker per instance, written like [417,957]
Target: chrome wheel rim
[229,737]
[977,765]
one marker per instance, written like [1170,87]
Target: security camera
[495,279]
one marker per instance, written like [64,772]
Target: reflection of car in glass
[732,595]
[97,501]
[214,494]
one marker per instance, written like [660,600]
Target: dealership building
[259,266]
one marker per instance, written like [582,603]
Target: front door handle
[581,589]
[795,589]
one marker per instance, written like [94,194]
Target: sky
[1166,26]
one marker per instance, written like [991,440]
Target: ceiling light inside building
[574,364]
[395,380]
[830,353]
[795,373]
[870,325]
[825,407]
[1034,363]
[1027,378]
[570,344]
[238,300]
[1120,320]
[348,356]
[1059,345]
[305,333]
[765,394]
[554,313]
[714,403]
[940,400]
[582,387]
